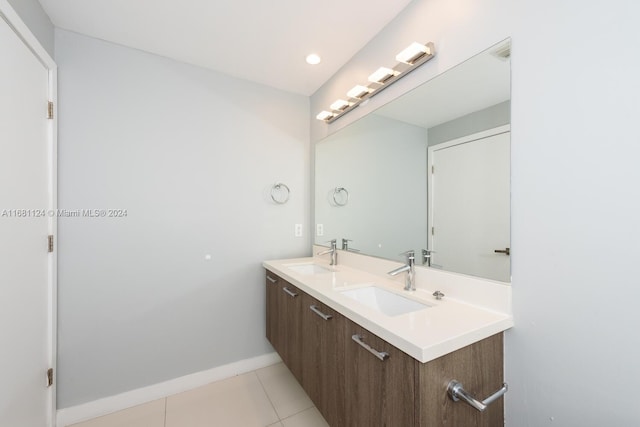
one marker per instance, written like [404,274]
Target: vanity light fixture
[382,74]
[408,60]
[412,53]
[358,91]
[324,115]
[339,105]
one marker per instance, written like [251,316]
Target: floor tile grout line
[165,412]
[267,394]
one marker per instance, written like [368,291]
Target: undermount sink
[308,269]
[384,301]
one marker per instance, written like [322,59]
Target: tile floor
[268,397]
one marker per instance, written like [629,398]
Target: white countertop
[447,325]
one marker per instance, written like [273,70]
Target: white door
[25,195]
[469,209]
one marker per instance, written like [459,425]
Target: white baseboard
[108,405]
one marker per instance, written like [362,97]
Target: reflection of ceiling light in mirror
[340,104]
[413,52]
[382,74]
[358,91]
[313,59]
[324,115]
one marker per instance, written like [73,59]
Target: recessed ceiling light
[313,59]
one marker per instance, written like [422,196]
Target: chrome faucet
[333,251]
[345,245]
[409,267]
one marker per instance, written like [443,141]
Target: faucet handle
[409,254]
[426,256]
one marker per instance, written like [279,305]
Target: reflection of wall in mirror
[478,121]
[382,163]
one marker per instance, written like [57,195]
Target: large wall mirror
[429,171]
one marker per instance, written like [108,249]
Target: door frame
[11,17]
[448,144]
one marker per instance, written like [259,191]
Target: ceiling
[479,82]
[261,41]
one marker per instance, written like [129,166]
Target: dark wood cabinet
[380,386]
[367,381]
[284,329]
[323,359]
[273,331]
[479,367]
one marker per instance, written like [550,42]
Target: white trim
[468,138]
[8,14]
[108,405]
[14,20]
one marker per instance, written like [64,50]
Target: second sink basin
[384,301]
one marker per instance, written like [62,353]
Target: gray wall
[32,13]
[191,154]
[383,164]
[575,197]
[487,118]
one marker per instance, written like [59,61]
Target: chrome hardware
[276,189]
[426,257]
[271,279]
[337,191]
[438,295]
[382,355]
[333,251]
[409,268]
[314,308]
[457,392]
[289,292]
[506,251]
[345,245]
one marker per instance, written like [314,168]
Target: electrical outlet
[298,231]
[319,230]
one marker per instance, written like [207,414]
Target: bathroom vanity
[382,358]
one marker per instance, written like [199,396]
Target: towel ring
[277,192]
[336,192]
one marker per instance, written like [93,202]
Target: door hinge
[50,243]
[433,230]
[433,170]
[50,377]
[50,110]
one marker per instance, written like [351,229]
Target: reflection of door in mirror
[469,209]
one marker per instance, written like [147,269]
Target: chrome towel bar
[457,392]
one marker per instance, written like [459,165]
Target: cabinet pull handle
[289,292]
[382,355]
[457,392]
[314,308]
[271,279]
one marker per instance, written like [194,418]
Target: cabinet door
[272,321]
[479,367]
[377,392]
[323,356]
[289,306]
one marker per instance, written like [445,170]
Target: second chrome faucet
[410,269]
[333,250]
